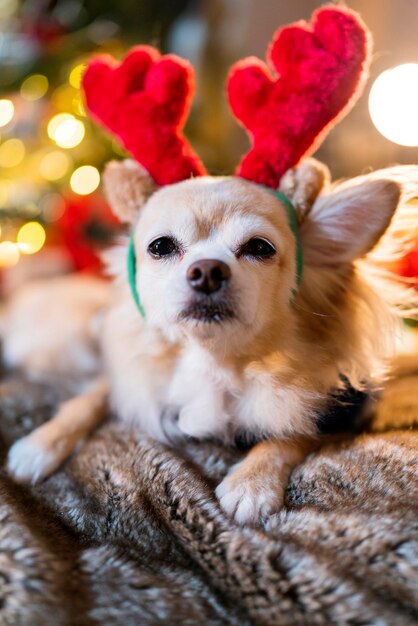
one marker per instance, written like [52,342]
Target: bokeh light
[5,188]
[66,130]
[393,104]
[12,153]
[62,97]
[85,180]
[55,122]
[7,110]
[31,237]
[9,254]
[76,75]
[70,133]
[7,8]
[54,165]
[34,87]
[78,105]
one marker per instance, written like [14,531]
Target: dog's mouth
[208,311]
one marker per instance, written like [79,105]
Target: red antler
[144,101]
[321,69]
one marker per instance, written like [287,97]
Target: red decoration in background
[86,227]
[144,101]
[40,22]
[408,266]
[321,69]
[46,34]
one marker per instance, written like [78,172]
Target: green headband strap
[293,223]
[132,275]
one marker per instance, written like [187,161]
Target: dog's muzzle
[208,278]
[208,310]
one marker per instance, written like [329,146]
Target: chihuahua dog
[231,344]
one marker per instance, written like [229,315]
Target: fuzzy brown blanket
[130,532]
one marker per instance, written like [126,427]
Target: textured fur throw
[131,533]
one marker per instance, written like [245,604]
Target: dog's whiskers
[301,308]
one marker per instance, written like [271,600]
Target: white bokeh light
[393,104]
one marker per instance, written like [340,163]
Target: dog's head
[216,257]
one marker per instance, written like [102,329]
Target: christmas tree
[51,154]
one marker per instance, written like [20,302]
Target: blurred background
[53,217]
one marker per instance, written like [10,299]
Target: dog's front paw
[29,460]
[250,499]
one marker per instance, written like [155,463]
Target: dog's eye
[258,248]
[163,246]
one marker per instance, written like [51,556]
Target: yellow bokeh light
[393,104]
[76,75]
[62,97]
[78,105]
[8,8]
[85,180]
[55,122]
[66,130]
[9,254]
[12,153]
[7,111]
[34,87]
[31,237]
[70,133]
[5,187]
[81,107]
[54,165]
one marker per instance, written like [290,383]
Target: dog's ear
[127,186]
[303,184]
[348,221]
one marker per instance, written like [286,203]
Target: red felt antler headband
[320,69]
[144,101]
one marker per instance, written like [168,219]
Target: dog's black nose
[208,275]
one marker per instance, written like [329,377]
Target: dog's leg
[34,457]
[254,488]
